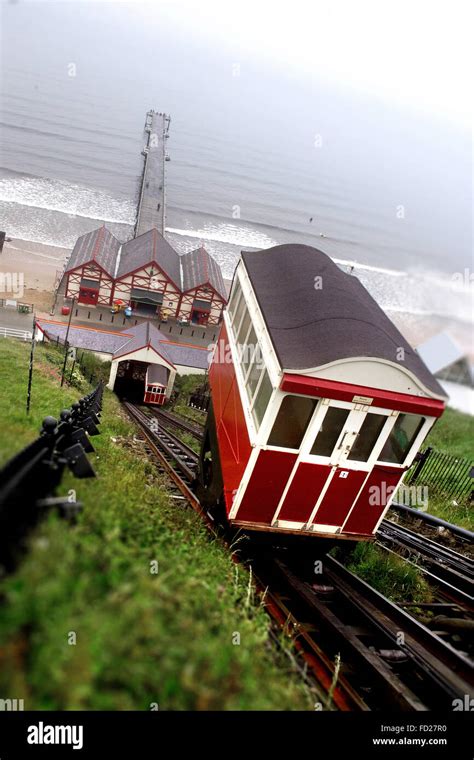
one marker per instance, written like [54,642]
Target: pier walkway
[152,201]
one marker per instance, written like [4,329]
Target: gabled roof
[199,268]
[127,341]
[147,248]
[98,246]
[143,335]
[313,323]
[90,338]
[187,355]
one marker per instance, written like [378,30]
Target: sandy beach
[36,266]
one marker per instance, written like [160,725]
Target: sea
[259,155]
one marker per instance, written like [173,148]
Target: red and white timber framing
[150,277]
[206,293]
[90,271]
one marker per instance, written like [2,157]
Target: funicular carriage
[319,405]
[156,382]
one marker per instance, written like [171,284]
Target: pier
[151,210]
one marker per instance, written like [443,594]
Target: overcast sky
[414,51]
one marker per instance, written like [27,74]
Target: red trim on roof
[99,240]
[186,345]
[85,327]
[88,263]
[144,266]
[314,386]
[147,345]
[205,285]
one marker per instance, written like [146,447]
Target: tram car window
[311,409]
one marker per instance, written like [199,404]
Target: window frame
[415,445]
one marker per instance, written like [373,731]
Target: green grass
[141,637]
[453,434]
[185,385]
[48,398]
[391,575]
[458,512]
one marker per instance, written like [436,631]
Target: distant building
[448,362]
[140,356]
[147,273]
[445,359]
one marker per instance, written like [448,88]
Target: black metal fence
[444,473]
[200,400]
[29,480]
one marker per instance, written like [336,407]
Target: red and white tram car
[319,405]
[156,382]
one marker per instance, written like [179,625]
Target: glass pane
[236,291]
[401,438]
[244,327]
[262,399]
[329,431]
[238,314]
[291,422]
[367,437]
[256,370]
[248,350]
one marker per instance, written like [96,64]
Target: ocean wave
[66,198]
[228,233]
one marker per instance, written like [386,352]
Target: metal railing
[11,332]
[29,480]
[447,474]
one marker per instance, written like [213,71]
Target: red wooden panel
[372,500]
[266,485]
[88,296]
[339,497]
[231,426]
[304,491]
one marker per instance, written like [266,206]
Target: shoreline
[39,265]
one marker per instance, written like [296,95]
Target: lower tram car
[318,403]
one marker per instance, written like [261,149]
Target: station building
[143,360]
[147,273]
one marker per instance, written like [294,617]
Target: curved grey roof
[99,246]
[311,326]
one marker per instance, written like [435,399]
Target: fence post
[30,372]
[72,370]
[421,462]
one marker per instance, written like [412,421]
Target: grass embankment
[392,575]
[47,398]
[185,385]
[190,636]
[452,434]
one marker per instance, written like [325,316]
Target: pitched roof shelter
[98,246]
[199,268]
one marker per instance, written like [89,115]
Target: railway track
[388,658]
[171,420]
[444,563]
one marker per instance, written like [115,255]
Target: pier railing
[29,480]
